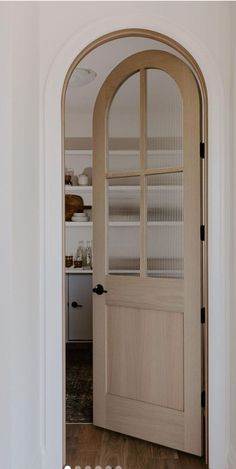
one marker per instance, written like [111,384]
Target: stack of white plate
[79,217]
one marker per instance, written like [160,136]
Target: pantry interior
[164,197]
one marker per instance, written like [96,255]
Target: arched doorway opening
[179,51]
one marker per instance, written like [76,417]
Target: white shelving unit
[121,224]
[78,281]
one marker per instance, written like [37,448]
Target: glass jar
[79,258]
[69,172]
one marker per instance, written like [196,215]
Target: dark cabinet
[79,307]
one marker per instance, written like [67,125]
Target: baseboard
[232,458]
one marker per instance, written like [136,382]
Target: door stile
[99,268]
[143,197]
[192,269]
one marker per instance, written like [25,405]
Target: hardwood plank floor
[87,445]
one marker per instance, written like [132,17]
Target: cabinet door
[80,317]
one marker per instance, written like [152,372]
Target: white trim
[51,235]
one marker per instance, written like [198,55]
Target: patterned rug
[79,383]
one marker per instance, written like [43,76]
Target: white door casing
[51,193]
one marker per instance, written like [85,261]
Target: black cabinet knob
[74,304]
[99,289]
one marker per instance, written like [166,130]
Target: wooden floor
[88,445]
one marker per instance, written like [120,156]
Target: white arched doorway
[52,238]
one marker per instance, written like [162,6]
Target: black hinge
[202,232]
[203,315]
[202,150]
[203,398]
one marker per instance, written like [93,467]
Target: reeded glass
[164,121]
[124,225]
[123,127]
[164,240]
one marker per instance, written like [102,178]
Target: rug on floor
[79,383]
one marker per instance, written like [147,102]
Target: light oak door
[147,252]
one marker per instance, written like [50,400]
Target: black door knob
[74,304]
[99,289]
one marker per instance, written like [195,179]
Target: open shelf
[125,223]
[164,273]
[74,270]
[122,271]
[71,189]
[73,224]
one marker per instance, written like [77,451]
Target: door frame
[52,237]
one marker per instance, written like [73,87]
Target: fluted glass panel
[164,121]
[123,127]
[164,240]
[124,226]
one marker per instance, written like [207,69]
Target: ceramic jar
[83,180]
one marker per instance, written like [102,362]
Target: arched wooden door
[147,252]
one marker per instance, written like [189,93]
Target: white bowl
[80,216]
[79,219]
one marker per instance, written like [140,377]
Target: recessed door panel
[133,368]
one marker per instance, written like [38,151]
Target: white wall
[232,444]
[208,23]
[20,444]
[5,237]
[25,229]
